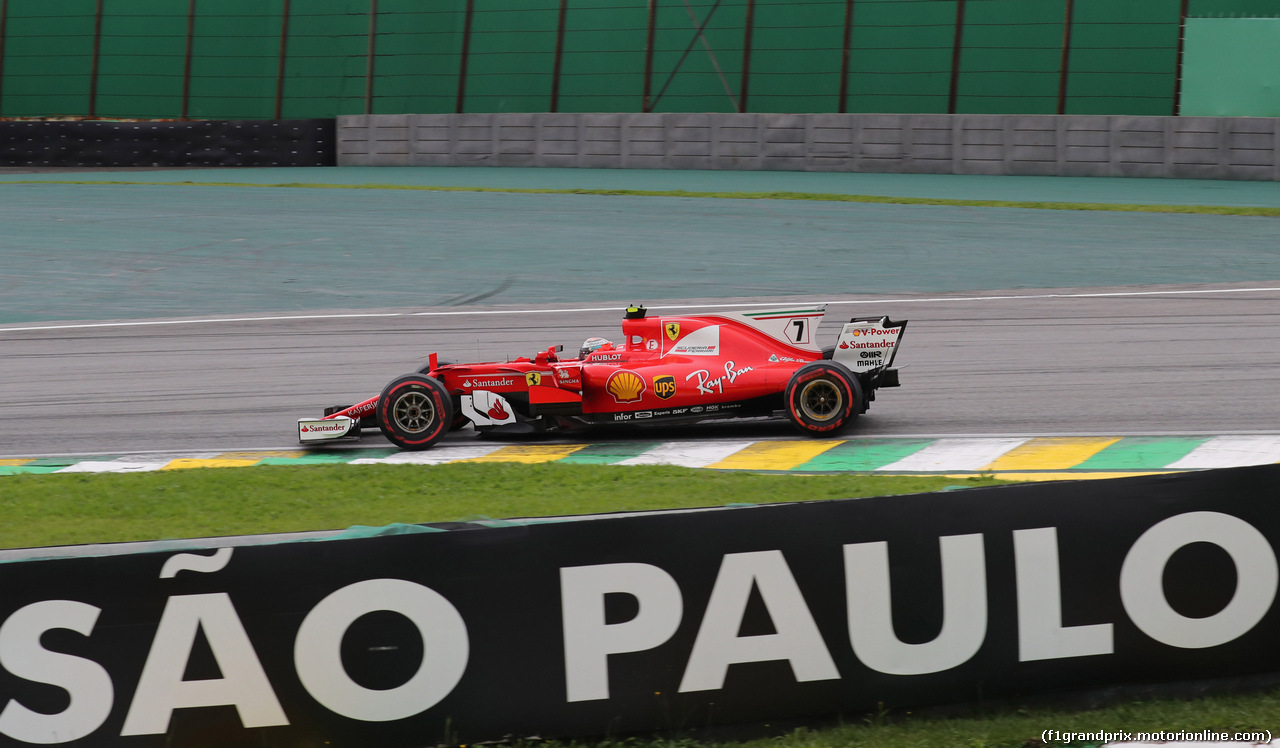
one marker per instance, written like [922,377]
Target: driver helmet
[590,345]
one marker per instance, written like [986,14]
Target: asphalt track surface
[1198,359]
[211,318]
[71,252]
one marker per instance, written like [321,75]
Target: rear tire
[823,398]
[414,411]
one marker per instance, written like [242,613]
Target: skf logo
[625,386]
[673,330]
[533,378]
[664,386]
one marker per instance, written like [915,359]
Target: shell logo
[625,386]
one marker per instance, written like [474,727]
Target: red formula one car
[666,369]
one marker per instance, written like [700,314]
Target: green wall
[1232,67]
[898,56]
[602,66]
[795,56]
[141,59]
[48,53]
[1123,57]
[418,55]
[1011,57]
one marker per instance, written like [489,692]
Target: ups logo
[664,386]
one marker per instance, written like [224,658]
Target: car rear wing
[868,344]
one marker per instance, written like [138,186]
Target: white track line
[954,454]
[115,466]
[1231,451]
[437,456]
[687,453]
[586,310]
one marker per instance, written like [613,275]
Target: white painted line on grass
[1231,451]
[584,310]
[954,454]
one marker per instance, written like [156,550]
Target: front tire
[823,398]
[414,411]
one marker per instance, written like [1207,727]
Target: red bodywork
[664,368]
[654,370]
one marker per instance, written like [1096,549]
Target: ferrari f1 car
[667,369]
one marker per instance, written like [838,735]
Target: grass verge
[1223,210]
[1014,728]
[38,510]
[61,509]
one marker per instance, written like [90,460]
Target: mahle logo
[673,330]
[664,386]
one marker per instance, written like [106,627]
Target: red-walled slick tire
[822,398]
[414,411]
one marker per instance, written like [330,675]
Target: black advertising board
[651,622]
[293,142]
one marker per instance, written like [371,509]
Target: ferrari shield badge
[673,330]
[533,379]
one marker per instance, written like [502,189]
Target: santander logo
[497,412]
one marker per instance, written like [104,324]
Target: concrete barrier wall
[1046,145]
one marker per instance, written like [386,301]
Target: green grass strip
[1001,728]
[1223,210]
[71,508]
[58,509]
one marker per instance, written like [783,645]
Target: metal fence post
[93,67]
[368,73]
[746,56]
[844,57]
[1066,58]
[648,56]
[956,45]
[284,41]
[186,65]
[4,20]
[1177,73]
[556,67]
[466,50]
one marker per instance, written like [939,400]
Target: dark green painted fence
[319,58]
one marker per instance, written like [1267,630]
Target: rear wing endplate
[869,343]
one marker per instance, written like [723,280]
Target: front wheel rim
[413,412]
[821,400]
